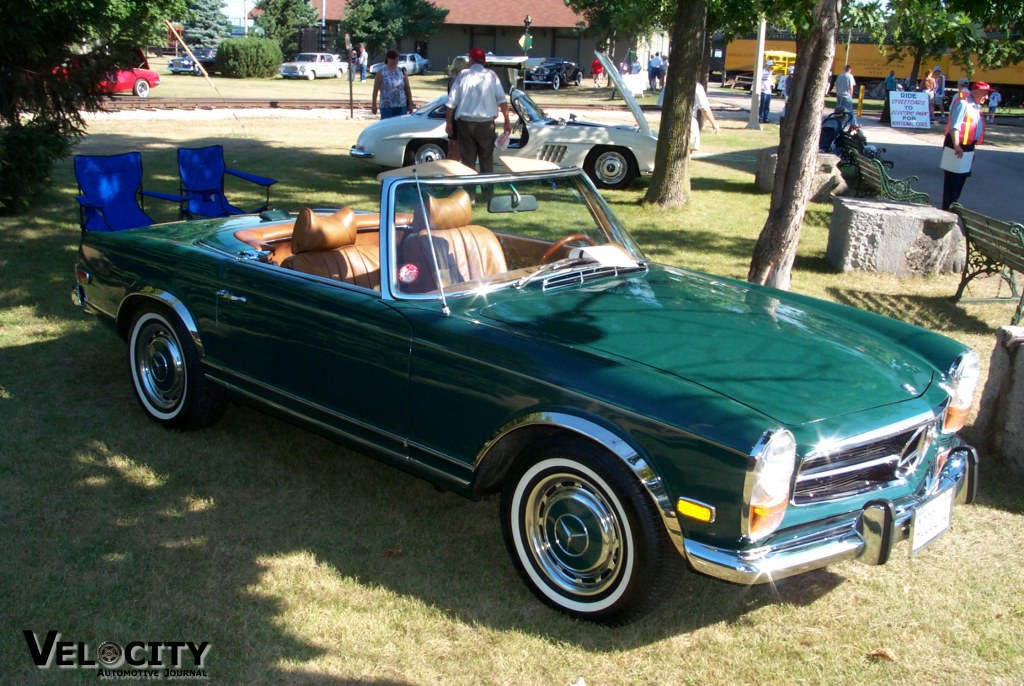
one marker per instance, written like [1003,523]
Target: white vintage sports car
[612,155]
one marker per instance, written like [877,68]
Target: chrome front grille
[861,467]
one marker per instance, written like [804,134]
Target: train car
[733,63]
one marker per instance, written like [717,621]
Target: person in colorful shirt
[966,128]
[392,84]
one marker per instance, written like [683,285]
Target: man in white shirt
[474,101]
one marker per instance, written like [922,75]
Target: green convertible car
[505,334]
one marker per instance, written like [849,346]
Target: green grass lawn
[303,562]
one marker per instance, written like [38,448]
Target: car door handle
[228,295]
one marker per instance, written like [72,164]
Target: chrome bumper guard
[867,536]
[361,154]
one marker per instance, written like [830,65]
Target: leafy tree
[382,23]
[53,54]
[205,24]
[282,19]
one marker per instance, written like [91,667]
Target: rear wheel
[579,78]
[614,168]
[141,88]
[167,373]
[419,152]
[584,535]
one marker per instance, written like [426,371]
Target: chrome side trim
[650,479]
[171,301]
[867,535]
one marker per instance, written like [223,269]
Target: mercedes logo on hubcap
[571,535]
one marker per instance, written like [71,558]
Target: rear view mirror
[512,203]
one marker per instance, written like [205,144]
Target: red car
[138,80]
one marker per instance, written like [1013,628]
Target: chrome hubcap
[160,366]
[429,153]
[611,167]
[574,534]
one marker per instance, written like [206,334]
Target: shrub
[246,58]
[27,153]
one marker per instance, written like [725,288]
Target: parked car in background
[636,420]
[411,62]
[314,65]
[555,72]
[139,80]
[184,64]
[612,155]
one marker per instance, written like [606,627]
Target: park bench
[993,247]
[874,181]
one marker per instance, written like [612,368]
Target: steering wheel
[562,242]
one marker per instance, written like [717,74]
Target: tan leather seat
[465,252]
[325,245]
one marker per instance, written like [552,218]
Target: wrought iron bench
[993,247]
[874,181]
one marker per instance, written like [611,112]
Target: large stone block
[828,180]
[893,238]
[998,429]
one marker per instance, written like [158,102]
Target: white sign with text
[909,110]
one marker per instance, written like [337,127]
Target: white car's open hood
[627,96]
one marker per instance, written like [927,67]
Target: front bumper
[360,153]
[867,536]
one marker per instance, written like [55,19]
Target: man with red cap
[966,128]
[474,101]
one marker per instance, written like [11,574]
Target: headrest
[323,232]
[447,213]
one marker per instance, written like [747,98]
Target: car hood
[782,355]
[627,95]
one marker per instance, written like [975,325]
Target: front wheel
[556,82]
[584,535]
[613,168]
[311,75]
[141,88]
[166,372]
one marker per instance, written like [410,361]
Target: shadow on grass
[936,313]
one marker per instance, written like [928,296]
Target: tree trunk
[670,184]
[775,251]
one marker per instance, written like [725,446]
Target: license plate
[931,520]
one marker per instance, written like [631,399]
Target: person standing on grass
[474,101]
[598,70]
[940,92]
[965,129]
[392,84]
[363,59]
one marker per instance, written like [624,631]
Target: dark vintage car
[555,72]
[186,65]
[505,335]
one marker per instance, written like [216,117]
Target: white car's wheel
[167,373]
[419,152]
[614,168]
[311,75]
[584,535]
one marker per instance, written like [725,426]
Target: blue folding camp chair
[110,195]
[202,173]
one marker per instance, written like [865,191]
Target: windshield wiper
[564,263]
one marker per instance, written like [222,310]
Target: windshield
[306,57]
[494,233]
[432,108]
